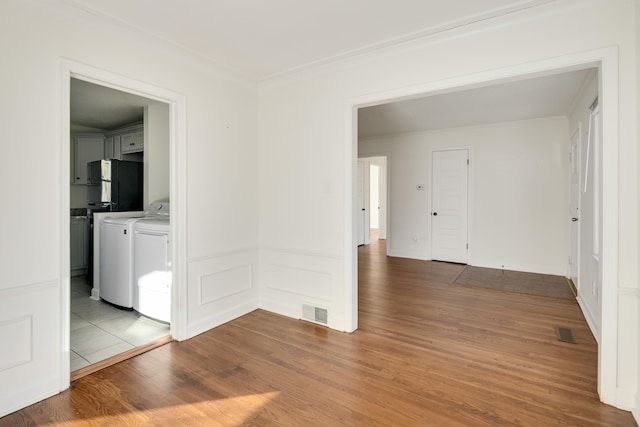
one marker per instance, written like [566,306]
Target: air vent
[315,314]
[565,335]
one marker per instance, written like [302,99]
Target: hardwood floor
[427,353]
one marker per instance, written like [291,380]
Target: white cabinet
[79,245]
[86,148]
[124,141]
[132,142]
[112,147]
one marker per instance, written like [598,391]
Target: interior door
[574,205]
[449,193]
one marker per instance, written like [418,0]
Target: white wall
[220,168]
[306,162]
[636,411]
[300,168]
[156,153]
[517,192]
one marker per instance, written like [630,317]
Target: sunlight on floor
[233,412]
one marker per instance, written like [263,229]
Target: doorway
[606,62]
[127,130]
[372,199]
[176,157]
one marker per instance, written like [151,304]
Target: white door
[574,205]
[361,207]
[449,205]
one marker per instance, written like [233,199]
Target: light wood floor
[427,353]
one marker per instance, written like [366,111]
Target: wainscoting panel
[20,330]
[301,281]
[30,354]
[290,278]
[628,351]
[222,284]
[221,288]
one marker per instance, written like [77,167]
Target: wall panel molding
[290,277]
[30,322]
[221,288]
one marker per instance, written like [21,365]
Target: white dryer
[116,260]
[152,263]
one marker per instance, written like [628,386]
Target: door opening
[101,330]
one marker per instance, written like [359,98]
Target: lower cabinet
[79,245]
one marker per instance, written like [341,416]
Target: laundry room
[120,221]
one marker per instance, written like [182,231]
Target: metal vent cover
[315,314]
[565,335]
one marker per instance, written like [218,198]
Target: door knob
[574,219]
[435,214]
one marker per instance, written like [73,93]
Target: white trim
[607,58]
[589,317]
[303,252]
[387,156]
[178,190]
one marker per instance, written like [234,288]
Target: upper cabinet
[85,149]
[122,144]
[132,142]
[124,141]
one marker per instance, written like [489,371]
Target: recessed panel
[17,336]
[221,284]
[301,281]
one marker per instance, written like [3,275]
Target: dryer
[152,263]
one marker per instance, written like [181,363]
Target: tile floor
[99,330]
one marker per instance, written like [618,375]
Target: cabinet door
[78,245]
[87,150]
[112,148]
[132,142]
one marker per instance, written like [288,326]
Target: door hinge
[467,246]
[467,162]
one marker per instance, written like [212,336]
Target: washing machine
[116,260]
[152,263]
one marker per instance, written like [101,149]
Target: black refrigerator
[113,186]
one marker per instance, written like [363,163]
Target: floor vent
[565,334]
[315,314]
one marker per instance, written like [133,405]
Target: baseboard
[636,410]
[591,322]
[20,398]
[218,319]
[410,255]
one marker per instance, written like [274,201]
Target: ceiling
[103,108]
[260,39]
[530,98]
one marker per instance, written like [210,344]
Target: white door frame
[177,183]
[574,237]
[387,218]
[606,59]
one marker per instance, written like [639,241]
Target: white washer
[152,263]
[116,260]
